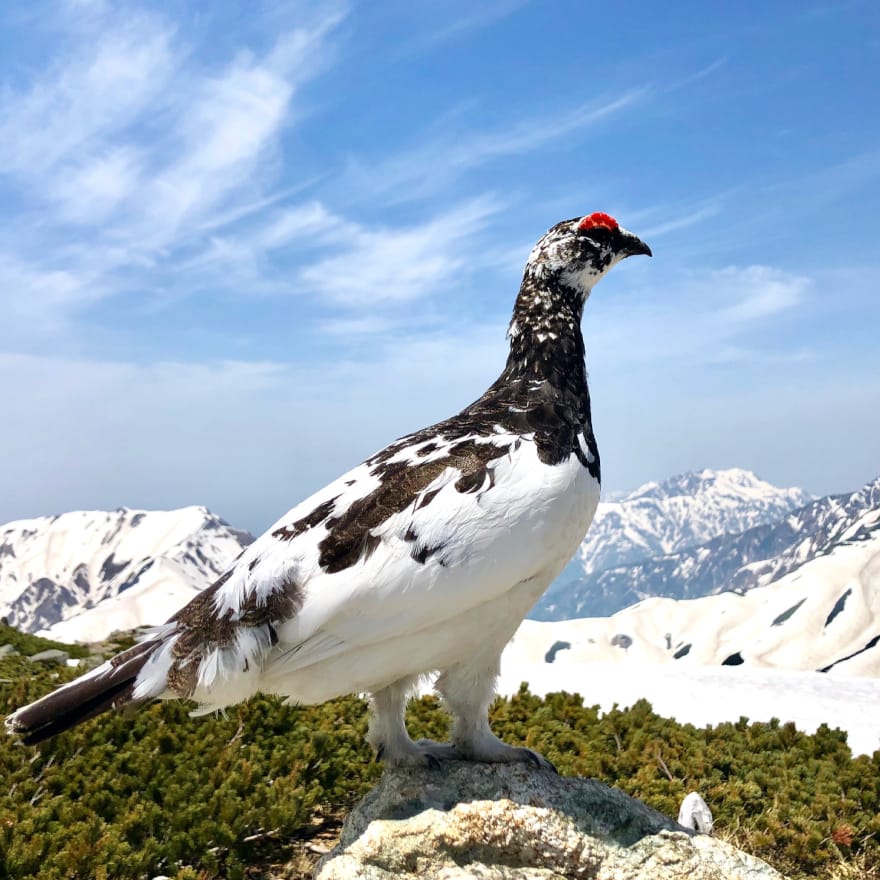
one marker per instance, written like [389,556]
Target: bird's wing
[423,531]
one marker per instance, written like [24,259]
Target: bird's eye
[595,233]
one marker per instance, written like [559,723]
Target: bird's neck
[543,390]
[546,343]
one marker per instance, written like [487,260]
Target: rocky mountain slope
[82,575]
[684,511]
[756,556]
[87,573]
[822,614]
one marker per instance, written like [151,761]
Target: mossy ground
[29,645]
[161,793]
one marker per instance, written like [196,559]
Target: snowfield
[702,695]
[824,615]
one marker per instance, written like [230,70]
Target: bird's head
[576,253]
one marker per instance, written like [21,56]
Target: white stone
[695,814]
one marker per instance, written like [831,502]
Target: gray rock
[7,650]
[512,822]
[51,657]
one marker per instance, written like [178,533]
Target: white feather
[388,616]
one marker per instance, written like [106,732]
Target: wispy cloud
[444,156]
[676,219]
[90,191]
[305,224]
[40,296]
[762,216]
[433,164]
[242,211]
[476,18]
[365,325]
[242,256]
[818,189]
[228,128]
[94,94]
[361,279]
[126,153]
[381,266]
[695,77]
[766,291]
[702,317]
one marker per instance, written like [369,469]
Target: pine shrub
[161,793]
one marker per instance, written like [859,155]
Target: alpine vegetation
[424,558]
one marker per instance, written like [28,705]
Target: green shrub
[29,645]
[159,792]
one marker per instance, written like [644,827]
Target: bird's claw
[432,761]
[539,761]
[424,753]
[427,753]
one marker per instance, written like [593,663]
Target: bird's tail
[108,686]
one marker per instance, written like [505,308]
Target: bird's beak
[631,245]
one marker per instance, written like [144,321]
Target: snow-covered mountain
[87,573]
[614,565]
[822,615]
[687,510]
[740,562]
[82,575]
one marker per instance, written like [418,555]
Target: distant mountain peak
[663,518]
[731,531]
[683,511]
[53,568]
[723,480]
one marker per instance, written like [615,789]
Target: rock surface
[52,657]
[503,822]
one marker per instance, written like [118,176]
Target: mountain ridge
[659,520]
[81,575]
[55,568]
[736,562]
[821,615]
[682,511]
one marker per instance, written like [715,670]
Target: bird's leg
[387,732]
[467,692]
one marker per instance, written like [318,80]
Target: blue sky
[242,246]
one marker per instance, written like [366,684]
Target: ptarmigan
[423,559]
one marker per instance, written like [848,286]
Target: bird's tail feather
[109,686]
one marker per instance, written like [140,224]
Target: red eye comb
[598,219]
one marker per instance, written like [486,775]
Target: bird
[421,561]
